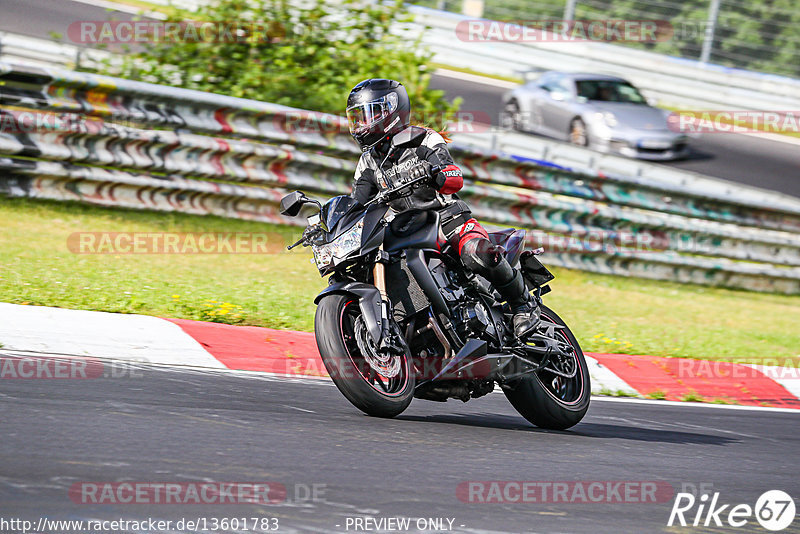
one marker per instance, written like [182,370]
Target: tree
[306,55]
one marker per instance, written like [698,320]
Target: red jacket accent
[453,180]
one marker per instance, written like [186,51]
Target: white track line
[695,404]
[99,335]
[476,78]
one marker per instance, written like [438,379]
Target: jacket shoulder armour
[433,138]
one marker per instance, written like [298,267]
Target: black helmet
[377,108]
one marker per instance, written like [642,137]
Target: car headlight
[339,248]
[607,118]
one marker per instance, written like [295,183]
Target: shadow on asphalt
[598,430]
[588,430]
[695,154]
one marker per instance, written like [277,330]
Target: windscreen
[335,209]
[609,91]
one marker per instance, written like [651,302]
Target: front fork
[387,341]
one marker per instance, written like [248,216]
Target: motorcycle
[401,318]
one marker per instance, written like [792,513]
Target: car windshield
[609,91]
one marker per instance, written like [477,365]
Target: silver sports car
[605,113]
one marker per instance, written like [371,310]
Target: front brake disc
[386,365]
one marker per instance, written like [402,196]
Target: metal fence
[762,36]
[44,53]
[73,136]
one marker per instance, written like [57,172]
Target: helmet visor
[362,117]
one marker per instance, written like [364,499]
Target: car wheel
[577,133]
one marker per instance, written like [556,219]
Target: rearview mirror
[411,136]
[291,203]
[559,96]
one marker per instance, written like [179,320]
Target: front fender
[369,301]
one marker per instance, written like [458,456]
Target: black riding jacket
[369,179]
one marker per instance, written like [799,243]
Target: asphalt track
[159,424]
[40,18]
[749,160]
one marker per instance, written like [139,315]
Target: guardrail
[45,53]
[524,147]
[154,147]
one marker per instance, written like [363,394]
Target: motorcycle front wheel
[548,400]
[377,384]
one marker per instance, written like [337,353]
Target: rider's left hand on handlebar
[420,170]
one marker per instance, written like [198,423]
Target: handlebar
[387,194]
[310,231]
[380,197]
[299,241]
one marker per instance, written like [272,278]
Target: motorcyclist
[377,109]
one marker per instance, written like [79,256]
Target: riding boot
[526,310]
[488,260]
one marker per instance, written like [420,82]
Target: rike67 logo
[774,510]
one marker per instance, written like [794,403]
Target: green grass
[37,268]
[608,392]
[607,314]
[726,401]
[692,397]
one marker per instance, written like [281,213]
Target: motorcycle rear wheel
[548,400]
[342,340]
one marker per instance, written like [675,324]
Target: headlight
[339,248]
[607,118]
